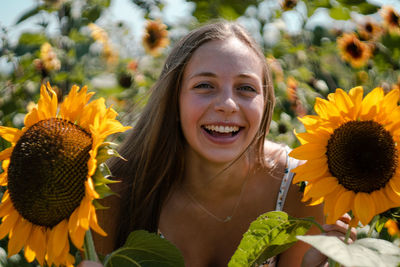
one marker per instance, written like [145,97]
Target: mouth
[221,130]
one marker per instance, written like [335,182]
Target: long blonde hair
[154,150]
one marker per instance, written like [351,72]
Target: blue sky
[120,10]
[123,10]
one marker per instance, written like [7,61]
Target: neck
[215,181]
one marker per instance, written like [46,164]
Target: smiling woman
[198,168]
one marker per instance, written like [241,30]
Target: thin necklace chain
[228,218]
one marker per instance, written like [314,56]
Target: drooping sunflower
[351,153]
[51,175]
[391,19]
[353,50]
[155,37]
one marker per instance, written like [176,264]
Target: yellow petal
[319,137]
[311,170]
[31,118]
[3,179]
[91,192]
[93,222]
[344,203]
[323,187]
[47,104]
[19,236]
[308,151]
[8,223]
[12,135]
[83,215]
[6,153]
[73,221]
[364,207]
[325,109]
[391,100]
[38,242]
[77,237]
[370,102]
[6,207]
[29,253]
[343,102]
[356,95]
[58,238]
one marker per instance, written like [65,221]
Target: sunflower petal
[369,104]
[6,153]
[323,187]
[344,203]
[308,151]
[10,134]
[58,238]
[93,222]
[77,237]
[19,236]
[364,207]
[344,103]
[325,109]
[8,223]
[31,118]
[356,95]
[47,104]
[37,241]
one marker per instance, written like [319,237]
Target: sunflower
[351,153]
[101,36]
[369,30]
[288,4]
[353,50]
[155,37]
[49,58]
[52,176]
[391,19]
[392,227]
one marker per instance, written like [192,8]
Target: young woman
[198,168]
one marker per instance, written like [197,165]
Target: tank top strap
[291,163]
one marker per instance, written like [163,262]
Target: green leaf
[367,8]
[351,2]
[270,234]
[380,224]
[340,13]
[366,252]
[145,249]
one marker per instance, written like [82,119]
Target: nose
[226,102]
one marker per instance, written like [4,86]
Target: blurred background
[117,48]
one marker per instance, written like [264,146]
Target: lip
[222,140]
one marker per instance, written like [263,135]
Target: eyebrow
[211,74]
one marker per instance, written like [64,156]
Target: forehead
[228,55]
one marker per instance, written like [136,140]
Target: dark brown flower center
[354,50]
[47,171]
[362,156]
[394,19]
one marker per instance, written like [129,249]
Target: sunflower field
[313,48]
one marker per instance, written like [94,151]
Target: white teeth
[222,129]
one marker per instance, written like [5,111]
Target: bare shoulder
[274,155]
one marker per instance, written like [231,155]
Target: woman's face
[221,101]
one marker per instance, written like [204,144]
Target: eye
[203,86]
[247,88]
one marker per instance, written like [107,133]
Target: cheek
[256,110]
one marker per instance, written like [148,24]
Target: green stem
[315,223]
[88,245]
[372,225]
